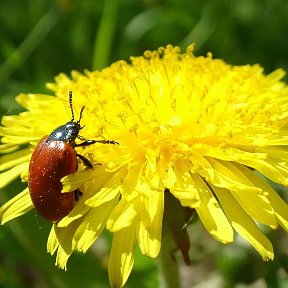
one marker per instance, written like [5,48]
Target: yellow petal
[255,204]
[121,258]
[171,178]
[188,196]
[279,206]
[78,211]
[17,206]
[147,203]
[62,257]
[227,176]
[53,242]
[271,170]
[13,159]
[110,189]
[71,182]
[106,194]
[75,180]
[119,162]
[203,166]
[130,180]
[8,147]
[234,154]
[211,214]
[60,240]
[185,189]
[122,216]
[243,224]
[11,174]
[92,224]
[149,238]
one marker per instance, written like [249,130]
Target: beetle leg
[81,137]
[85,161]
[90,142]
[77,194]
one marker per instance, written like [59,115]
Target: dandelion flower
[192,127]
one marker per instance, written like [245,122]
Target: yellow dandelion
[193,128]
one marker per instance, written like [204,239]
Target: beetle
[53,158]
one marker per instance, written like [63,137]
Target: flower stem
[167,266]
[105,34]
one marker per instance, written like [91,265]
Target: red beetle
[53,158]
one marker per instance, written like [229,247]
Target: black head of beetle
[69,131]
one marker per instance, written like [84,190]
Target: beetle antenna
[81,114]
[70,103]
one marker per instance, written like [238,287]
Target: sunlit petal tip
[16,207]
[121,258]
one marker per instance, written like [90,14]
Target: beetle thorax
[67,132]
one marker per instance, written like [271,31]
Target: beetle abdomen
[51,161]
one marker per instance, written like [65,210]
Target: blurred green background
[42,38]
